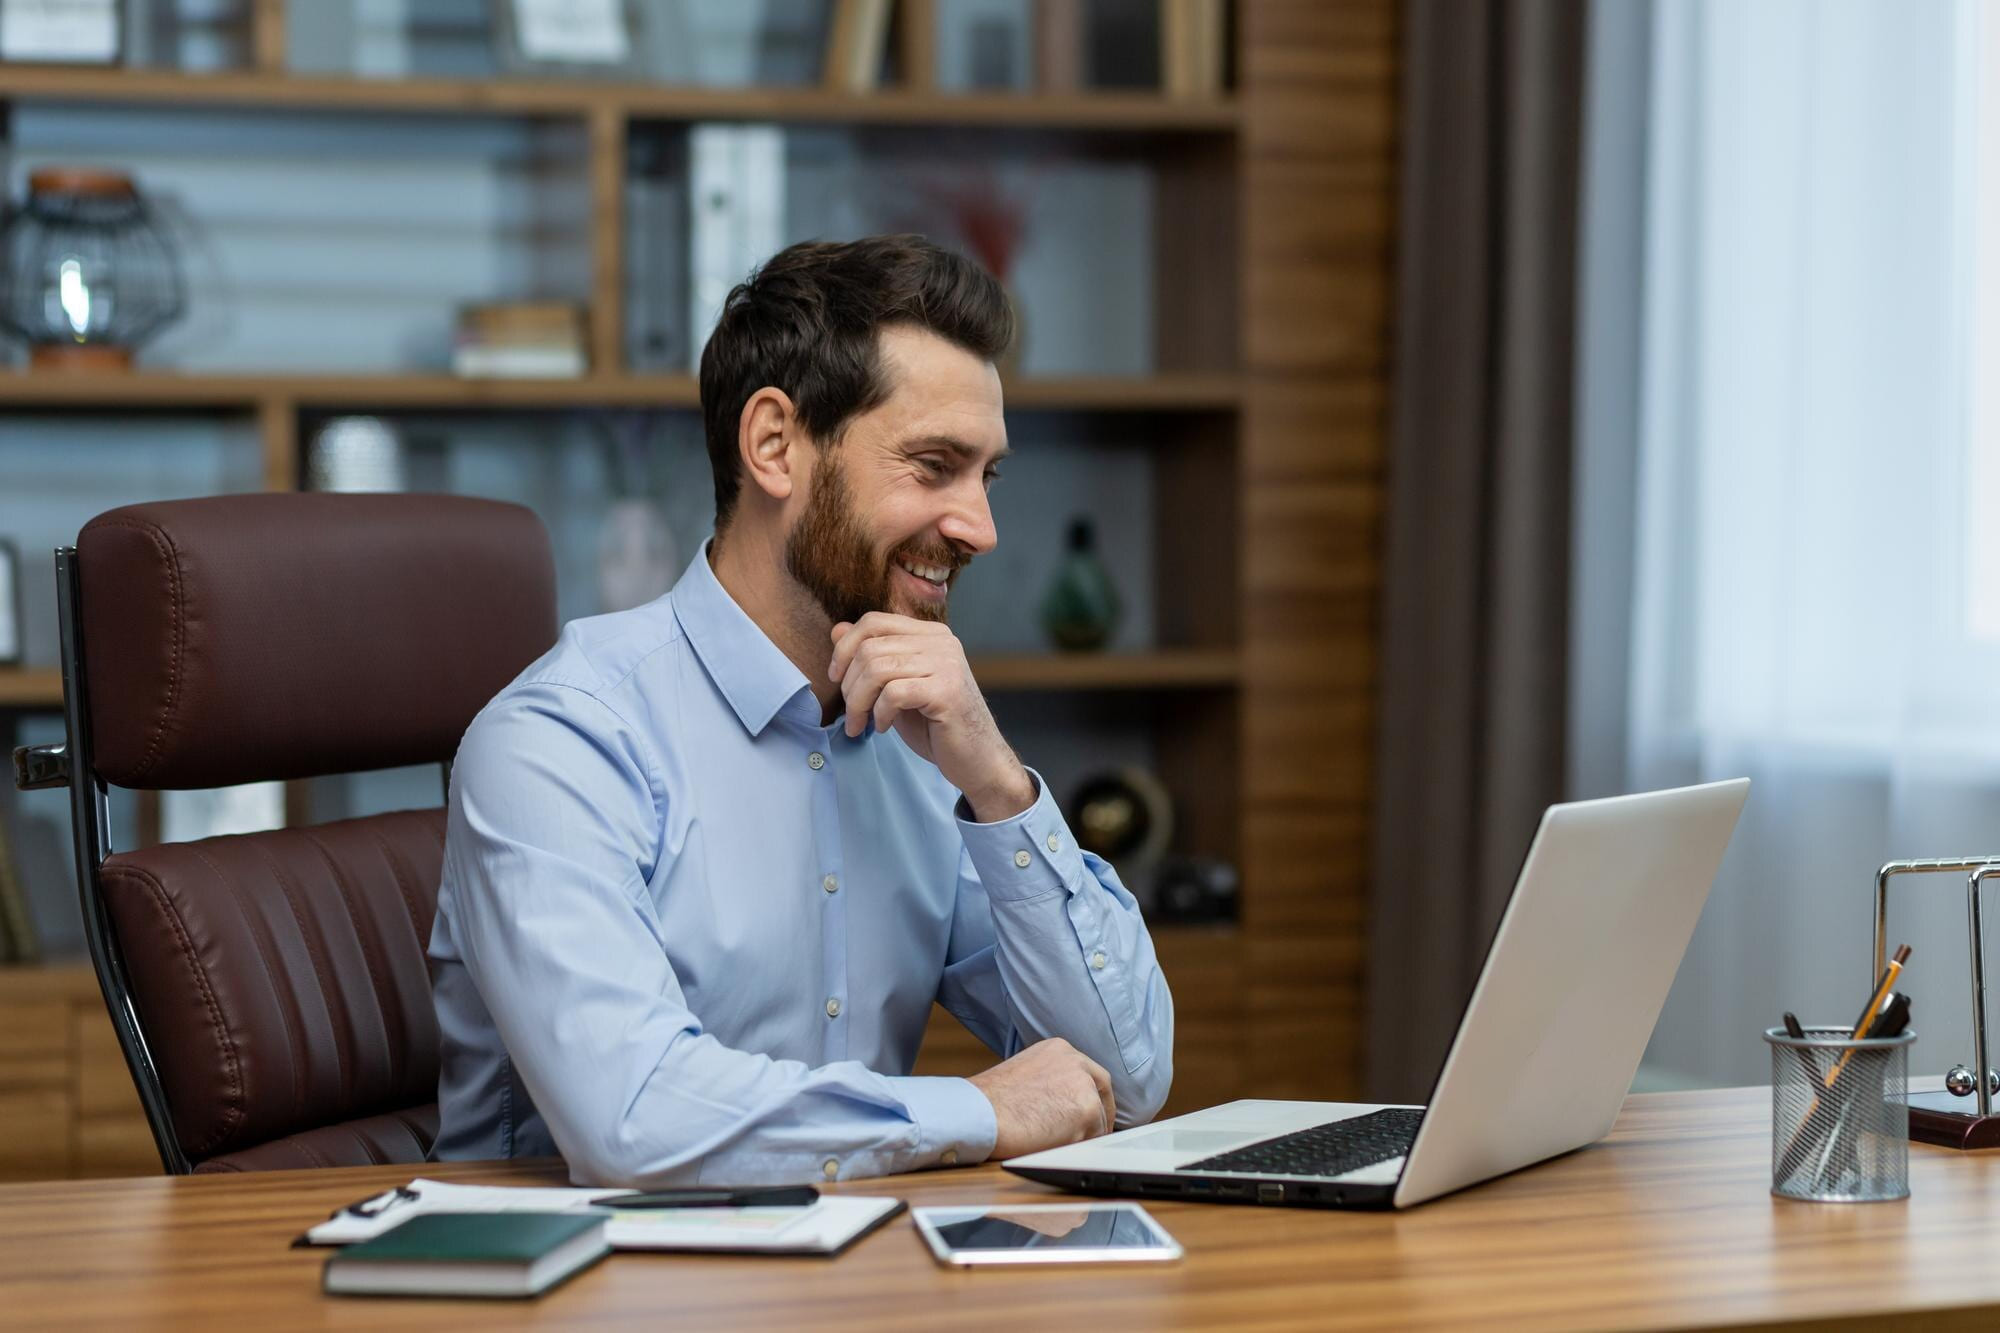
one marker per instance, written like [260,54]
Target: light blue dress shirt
[687,934]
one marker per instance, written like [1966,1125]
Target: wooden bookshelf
[1189,392]
[1170,669]
[30,687]
[1182,669]
[1106,112]
[1273,256]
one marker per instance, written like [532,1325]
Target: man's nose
[968,525]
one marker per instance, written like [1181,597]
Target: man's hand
[912,674]
[1049,1095]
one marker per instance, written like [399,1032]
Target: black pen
[1796,1031]
[778,1196]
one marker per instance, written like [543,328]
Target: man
[710,861]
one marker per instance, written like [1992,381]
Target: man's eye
[992,475]
[932,465]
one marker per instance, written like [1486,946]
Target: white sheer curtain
[1814,588]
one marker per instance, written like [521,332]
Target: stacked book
[520,340]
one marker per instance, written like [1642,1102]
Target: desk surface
[1667,1223]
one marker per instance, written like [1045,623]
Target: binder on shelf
[1192,48]
[856,41]
[1060,57]
[736,188]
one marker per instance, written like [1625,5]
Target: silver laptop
[1573,983]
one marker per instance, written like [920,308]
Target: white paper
[434,1196]
[78,31]
[819,1229]
[585,32]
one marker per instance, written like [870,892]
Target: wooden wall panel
[67,1105]
[1318,163]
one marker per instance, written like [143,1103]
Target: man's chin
[938,611]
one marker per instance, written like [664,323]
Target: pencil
[1875,1003]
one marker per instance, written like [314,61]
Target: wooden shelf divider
[1172,668]
[608,128]
[31,687]
[1110,112]
[152,388]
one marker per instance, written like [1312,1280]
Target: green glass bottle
[1081,608]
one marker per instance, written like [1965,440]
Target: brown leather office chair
[270,990]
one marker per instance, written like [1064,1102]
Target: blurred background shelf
[1094,111]
[1166,670]
[30,687]
[41,687]
[1203,283]
[156,388]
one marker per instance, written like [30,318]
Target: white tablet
[1045,1233]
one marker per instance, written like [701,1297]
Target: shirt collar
[739,657]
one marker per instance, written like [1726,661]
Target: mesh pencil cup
[1840,1116]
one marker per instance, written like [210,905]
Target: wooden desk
[1668,1223]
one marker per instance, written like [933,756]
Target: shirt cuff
[955,1124]
[1029,856]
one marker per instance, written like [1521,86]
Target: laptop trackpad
[1200,1141]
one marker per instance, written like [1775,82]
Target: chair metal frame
[69,765]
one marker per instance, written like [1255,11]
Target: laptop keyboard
[1324,1150]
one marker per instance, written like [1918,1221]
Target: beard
[830,555]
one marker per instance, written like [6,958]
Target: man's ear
[765,434]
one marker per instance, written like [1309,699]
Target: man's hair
[807,321]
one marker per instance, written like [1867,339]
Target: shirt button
[833,1006]
[1055,843]
[1097,960]
[950,1157]
[815,761]
[1021,858]
[831,883]
[830,1168]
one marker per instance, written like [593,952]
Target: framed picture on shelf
[589,37]
[10,604]
[60,32]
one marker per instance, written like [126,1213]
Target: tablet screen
[1046,1233]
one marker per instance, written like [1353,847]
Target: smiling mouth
[935,575]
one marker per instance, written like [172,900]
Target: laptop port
[1230,1189]
[1270,1194]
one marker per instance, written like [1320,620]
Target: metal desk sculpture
[1946,1118]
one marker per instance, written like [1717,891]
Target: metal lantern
[89,274]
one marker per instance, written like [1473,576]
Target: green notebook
[470,1254]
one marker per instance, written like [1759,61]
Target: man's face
[898,506]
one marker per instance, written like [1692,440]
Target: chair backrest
[271,989]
